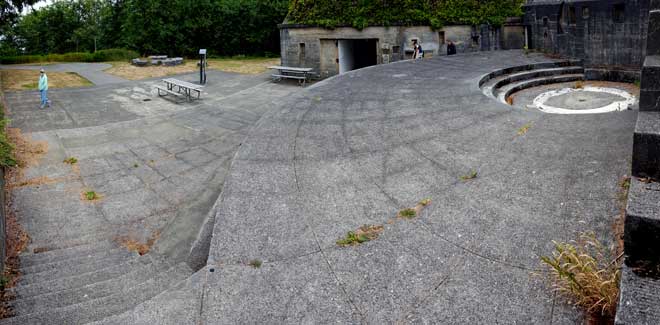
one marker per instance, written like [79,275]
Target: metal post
[202,66]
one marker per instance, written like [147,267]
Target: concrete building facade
[334,51]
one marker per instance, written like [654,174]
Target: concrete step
[116,303]
[73,269]
[179,304]
[639,299]
[512,88]
[642,227]
[78,280]
[80,260]
[528,67]
[28,259]
[132,277]
[83,239]
[646,145]
[533,74]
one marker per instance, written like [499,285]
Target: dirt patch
[28,80]
[27,153]
[43,180]
[246,66]
[135,245]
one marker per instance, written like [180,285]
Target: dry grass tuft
[28,79]
[134,245]
[579,84]
[524,129]
[245,65]
[586,275]
[471,175]
[26,153]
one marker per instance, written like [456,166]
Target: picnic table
[300,74]
[183,88]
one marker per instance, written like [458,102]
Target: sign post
[202,66]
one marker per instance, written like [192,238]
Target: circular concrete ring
[629,100]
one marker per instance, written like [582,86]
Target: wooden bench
[300,74]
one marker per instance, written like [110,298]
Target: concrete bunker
[356,53]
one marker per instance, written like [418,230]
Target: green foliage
[98,56]
[71,161]
[175,28]
[435,13]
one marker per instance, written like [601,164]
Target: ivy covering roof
[434,13]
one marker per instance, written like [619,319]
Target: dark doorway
[357,53]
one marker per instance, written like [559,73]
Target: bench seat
[167,91]
[288,76]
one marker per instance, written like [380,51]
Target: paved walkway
[91,71]
[159,165]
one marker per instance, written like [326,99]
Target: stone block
[646,145]
[650,86]
[653,38]
[642,226]
[654,5]
[639,300]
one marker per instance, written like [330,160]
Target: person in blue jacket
[43,88]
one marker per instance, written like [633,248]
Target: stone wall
[317,48]
[603,33]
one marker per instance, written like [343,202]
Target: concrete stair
[87,283]
[503,83]
[505,92]
[639,302]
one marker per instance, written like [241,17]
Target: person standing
[43,88]
[418,52]
[451,48]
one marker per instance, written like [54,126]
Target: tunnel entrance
[357,53]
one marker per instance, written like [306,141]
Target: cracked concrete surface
[350,151]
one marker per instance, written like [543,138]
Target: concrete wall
[321,49]
[589,30]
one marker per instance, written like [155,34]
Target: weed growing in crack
[91,195]
[584,272]
[70,160]
[255,263]
[362,235]
[425,202]
[523,130]
[408,213]
[471,175]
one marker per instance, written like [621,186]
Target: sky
[39,5]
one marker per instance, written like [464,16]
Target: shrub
[584,273]
[98,56]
